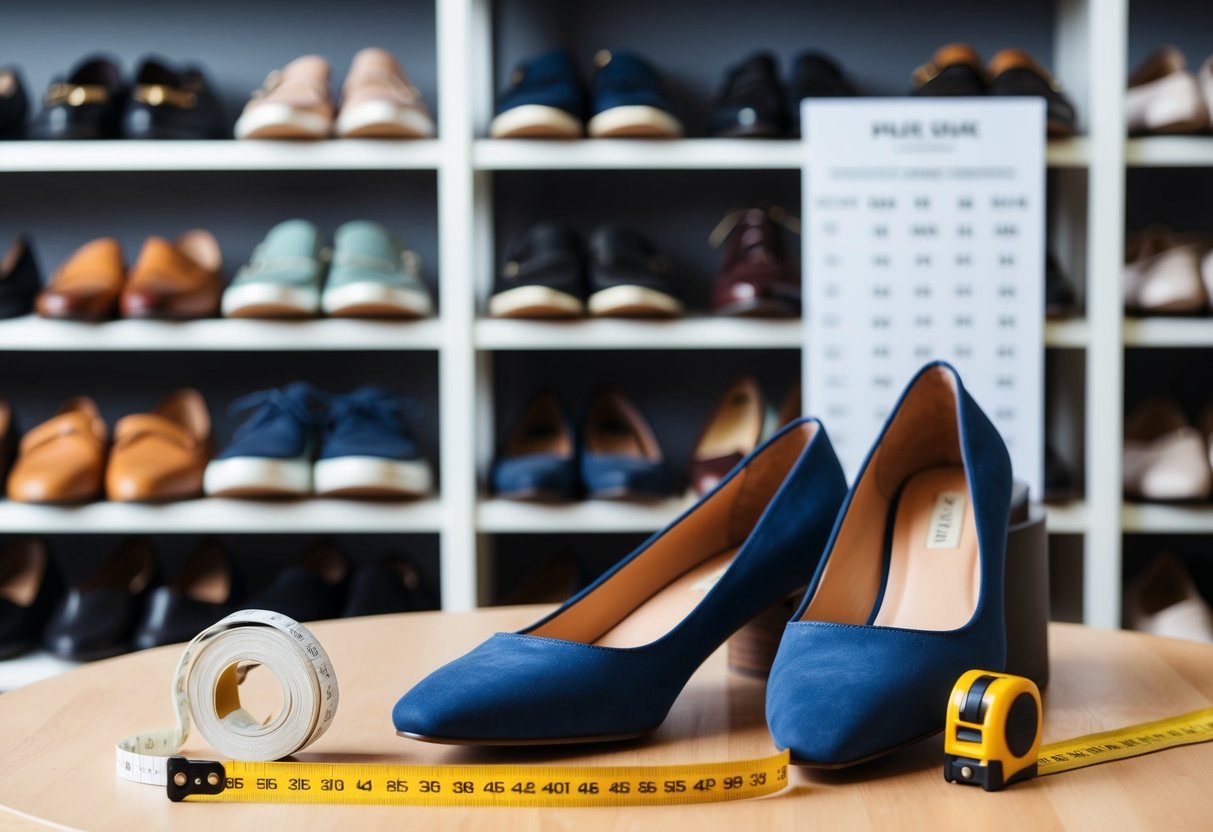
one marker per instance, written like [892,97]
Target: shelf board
[618,333]
[1170,151]
[31,333]
[681,154]
[1160,518]
[215,516]
[599,516]
[120,155]
[1067,334]
[31,667]
[1168,332]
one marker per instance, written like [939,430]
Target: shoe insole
[934,571]
[735,428]
[660,613]
[614,437]
[21,576]
[540,438]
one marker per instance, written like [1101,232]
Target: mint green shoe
[374,276]
[282,278]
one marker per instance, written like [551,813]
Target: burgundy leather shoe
[754,277]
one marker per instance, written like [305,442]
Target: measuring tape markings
[1121,743]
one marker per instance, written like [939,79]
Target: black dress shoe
[204,591]
[751,102]
[85,105]
[391,585]
[1060,300]
[544,276]
[20,280]
[310,590]
[816,75]
[628,277]
[166,103]
[954,70]
[96,620]
[14,105]
[1013,72]
[29,589]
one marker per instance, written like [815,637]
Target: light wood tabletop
[57,746]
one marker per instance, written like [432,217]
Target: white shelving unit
[1091,38]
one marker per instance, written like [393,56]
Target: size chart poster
[924,238]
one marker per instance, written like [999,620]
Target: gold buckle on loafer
[156,95]
[76,95]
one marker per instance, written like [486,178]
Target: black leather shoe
[203,592]
[14,105]
[29,589]
[391,585]
[310,590]
[954,70]
[628,277]
[1060,300]
[96,620]
[751,102]
[1014,72]
[166,103]
[20,279]
[85,105]
[543,277]
[815,75]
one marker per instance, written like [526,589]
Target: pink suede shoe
[293,103]
[378,101]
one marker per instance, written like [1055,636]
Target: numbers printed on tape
[1121,743]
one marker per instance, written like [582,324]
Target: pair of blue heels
[905,577]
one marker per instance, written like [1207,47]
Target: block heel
[752,648]
[1027,593]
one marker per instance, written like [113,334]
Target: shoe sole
[634,121]
[383,120]
[371,476]
[535,302]
[266,300]
[250,476]
[535,121]
[282,121]
[757,309]
[522,742]
[633,301]
[861,760]
[376,300]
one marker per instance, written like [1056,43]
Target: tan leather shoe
[1164,96]
[1166,458]
[175,280]
[86,287]
[293,103]
[377,101]
[1163,274]
[161,455]
[61,460]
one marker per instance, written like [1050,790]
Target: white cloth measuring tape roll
[205,691]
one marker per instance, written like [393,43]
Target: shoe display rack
[476,43]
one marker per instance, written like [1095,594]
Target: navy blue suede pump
[610,662]
[909,592]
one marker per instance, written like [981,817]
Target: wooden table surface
[57,746]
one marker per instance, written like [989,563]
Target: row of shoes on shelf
[295,441]
[292,273]
[163,101]
[612,453]
[1168,273]
[1165,600]
[625,98]
[1167,457]
[127,604]
[1165,97]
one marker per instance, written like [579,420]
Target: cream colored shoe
[1166,458]
[1164,601]
[1164,96]
[293,103]
[378,102]
[1163,274]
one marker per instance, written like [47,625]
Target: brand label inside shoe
[708,581]
[947,517]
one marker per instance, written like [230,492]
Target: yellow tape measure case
[993,730]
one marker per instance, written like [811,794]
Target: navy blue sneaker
[620,457]
[538,460]
[368,449]
[628,100]
[271,453]
[545,100]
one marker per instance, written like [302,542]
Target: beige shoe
[378,102]
[1163,274]
[1166,458]
[293,103]
[1164,601]
[1164,96]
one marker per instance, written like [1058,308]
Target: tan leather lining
[616,428]
[736,424]
[129,569]
[205,576]
[11,257]
[21,571]
[542,431]
[718,526]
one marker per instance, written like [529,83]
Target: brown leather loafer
[755,278]
[177,280]
[161,455]
[86,287]
[61,460]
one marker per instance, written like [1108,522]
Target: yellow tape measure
[475,785]
[993,732]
